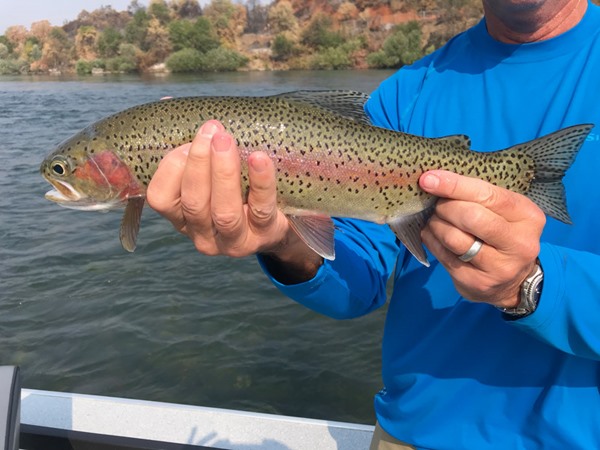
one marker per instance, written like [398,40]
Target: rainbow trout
[330,162]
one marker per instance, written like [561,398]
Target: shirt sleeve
[568,313]
[353,284]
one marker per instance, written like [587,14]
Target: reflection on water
[167,324]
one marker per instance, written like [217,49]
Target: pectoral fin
[408,230]
[130,223]
[316,232]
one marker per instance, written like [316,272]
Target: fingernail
[258,164]
[186,149]
[209,128]
[221,142]
[430,181]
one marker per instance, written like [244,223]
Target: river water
[79,314]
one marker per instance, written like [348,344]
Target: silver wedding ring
[472,252]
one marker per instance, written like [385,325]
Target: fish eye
[59,167]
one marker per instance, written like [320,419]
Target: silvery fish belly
[330,162]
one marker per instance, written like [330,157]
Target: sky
[25,12]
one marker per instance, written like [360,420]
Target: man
[497,344]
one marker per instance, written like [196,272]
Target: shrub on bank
[222,59]
[283,48]
[331,59]
[13,66]
[216,60]
[121,64]
[185,60]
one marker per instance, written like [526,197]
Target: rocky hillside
[180,36]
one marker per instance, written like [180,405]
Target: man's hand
[198,188]
[509,224]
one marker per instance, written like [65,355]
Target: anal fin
[408,230]
[316,232]
[130,223]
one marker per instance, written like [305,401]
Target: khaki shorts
[383,441]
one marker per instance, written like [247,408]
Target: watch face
[531,290]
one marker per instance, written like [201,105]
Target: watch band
[531,290]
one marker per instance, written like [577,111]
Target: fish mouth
[65,195]
[63,192]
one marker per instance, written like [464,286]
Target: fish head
[88,176]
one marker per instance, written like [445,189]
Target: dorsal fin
[461,140]
[348,104]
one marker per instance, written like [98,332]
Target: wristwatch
[531,290]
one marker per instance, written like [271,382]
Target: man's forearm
[293,262]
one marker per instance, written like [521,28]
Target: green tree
[31,50]
[159,10]
[137,29]
[199,35]
[185,9]
[220,10]
[283,48]
[402,47]
[127,60]
[7,43]
[4,52]
[180,34]
[134,7]
[319,33]
[129,56]
[109,42]
[204,36]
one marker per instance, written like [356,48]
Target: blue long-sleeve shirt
[457,374]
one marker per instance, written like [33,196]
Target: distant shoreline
[158,74]
[223,36]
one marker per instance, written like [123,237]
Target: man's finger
[477,220]
[196,181]
[164,190]
[226,195]
[262,196]
[441,183]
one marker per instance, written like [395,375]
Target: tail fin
[553,154]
